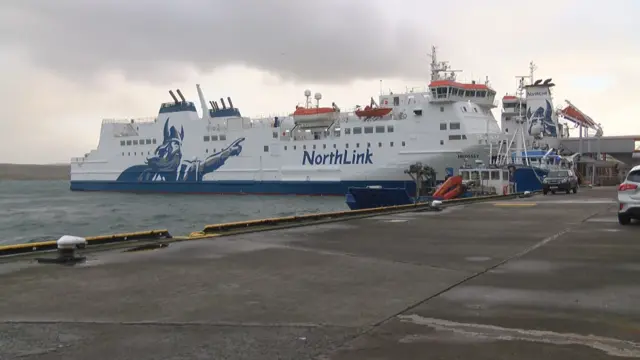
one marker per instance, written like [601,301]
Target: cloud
[329,41]
[66,64]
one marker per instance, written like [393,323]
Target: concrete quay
[551,277]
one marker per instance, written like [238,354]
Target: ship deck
[551,277]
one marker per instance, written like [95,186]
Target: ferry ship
[316,150]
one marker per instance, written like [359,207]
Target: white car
[629,197]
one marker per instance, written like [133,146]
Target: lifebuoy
[505,190]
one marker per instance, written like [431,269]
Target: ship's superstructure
[317,149]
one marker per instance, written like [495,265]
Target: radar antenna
[438,67]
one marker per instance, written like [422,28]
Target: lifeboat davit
[372,112]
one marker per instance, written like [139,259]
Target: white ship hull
[252,161]
[222,152]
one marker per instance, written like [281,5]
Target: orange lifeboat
[372,112]
[312,114]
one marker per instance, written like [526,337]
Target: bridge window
[505,175]
[135,142]
[485,175]
[266,148]
[122,142]
[495,174]
[206,138]
[443,126]
[465,175]
[223,137]
[379,129]
[389,128]
[481,93]
[153,141]
[147,141]
[470,93]
[454,92]
[357,130]
[214,137]
[455,137]
[454,126]
[368,130]
[347,131]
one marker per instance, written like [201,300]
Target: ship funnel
[541,117]
[230,103]
[173,96]
[222,102]
[180,94]
[203,102]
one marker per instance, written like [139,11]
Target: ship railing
[144,120]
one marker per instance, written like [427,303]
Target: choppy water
[45,210]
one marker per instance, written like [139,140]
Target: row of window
[221,137]
[137,142]
[368,129]
[484,175]
[452,126]
[324,146]
[142,153]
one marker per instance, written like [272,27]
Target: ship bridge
[443,91]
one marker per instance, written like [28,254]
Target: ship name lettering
[468,156]
[337,158]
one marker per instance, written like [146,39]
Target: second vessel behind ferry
[317,150]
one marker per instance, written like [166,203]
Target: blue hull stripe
[237,187]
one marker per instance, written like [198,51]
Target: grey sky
[66,64]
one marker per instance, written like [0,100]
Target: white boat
[224,152]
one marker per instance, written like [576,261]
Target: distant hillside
[34,172]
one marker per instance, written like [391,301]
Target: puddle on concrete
[612,299]
[603,220]
[481,332]
[579,201]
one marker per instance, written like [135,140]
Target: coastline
[34,172]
